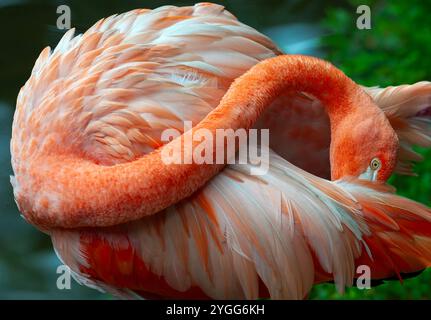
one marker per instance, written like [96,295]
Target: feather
[407,107]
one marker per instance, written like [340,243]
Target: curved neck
[253,92]
[82,193]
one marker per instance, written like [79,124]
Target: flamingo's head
[364,145]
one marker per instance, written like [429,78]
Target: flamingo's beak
[369,174]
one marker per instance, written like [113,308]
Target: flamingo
[87,169]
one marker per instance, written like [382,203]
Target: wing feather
[282,231]
[408,108]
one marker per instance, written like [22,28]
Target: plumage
[98,104]
[408,108]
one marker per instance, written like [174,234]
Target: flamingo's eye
[375,164]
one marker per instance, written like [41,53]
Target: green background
[396,50]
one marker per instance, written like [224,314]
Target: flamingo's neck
[253,92]
[82,193]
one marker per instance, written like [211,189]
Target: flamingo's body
[86,141]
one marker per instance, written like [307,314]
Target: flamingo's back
[110,92]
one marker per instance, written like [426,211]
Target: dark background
[396,50]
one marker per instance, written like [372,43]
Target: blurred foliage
[414,288]
[394,51]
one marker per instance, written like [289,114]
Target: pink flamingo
[86,157]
